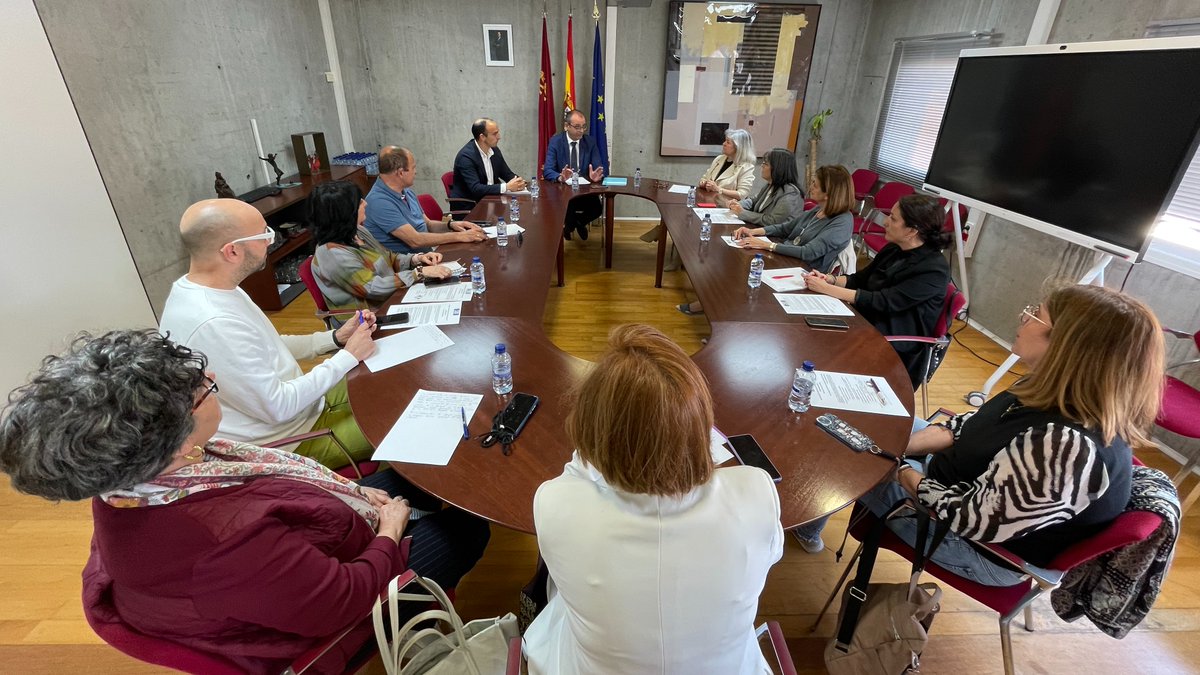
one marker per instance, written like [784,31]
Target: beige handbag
[476,648]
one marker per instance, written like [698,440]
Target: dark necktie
[575,155]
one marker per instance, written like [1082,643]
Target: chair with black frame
[864,180]
[459,207]
[936,346]
[310,282]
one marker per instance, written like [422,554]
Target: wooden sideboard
[290,206]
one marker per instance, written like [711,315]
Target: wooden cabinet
[291,206]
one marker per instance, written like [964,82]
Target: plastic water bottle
[756,268]
[691,197]
[574,181]
[501,370]
[501,232]
[637,177]
[514,209]
[706,228]
[535,188]
[802,388]
[478,283]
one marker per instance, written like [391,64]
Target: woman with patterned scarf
[251,555]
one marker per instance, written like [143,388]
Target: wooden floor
[43,546]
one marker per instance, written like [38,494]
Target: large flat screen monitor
[1084,141]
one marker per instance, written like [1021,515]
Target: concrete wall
[165,92]
[53,291]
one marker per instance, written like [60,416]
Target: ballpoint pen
[878,392]
[466,434]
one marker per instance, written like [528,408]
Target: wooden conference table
[749,361]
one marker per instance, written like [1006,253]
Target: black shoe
[583,232]
[567,233]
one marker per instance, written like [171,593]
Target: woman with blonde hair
[1047,463]
[656,559]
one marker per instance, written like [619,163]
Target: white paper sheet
[720,216]
[396,349]
[730,241]
[513,229]
[716,446]
[846,391]
[429,429]
[449,292]
[427,314]
[811,303]
[454,266]
[785,279]
[680,189]
[517,193]
[687,82]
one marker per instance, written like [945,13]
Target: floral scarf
[227,463]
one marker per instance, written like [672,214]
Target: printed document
[460,292]
[811,303]
[427,314]
[861,393]
[785,279]
[396,349]
[720,216]
[429,429]
[680,189]
[730,241]
[513,229]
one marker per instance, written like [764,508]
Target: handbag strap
[394,650]
[856,592]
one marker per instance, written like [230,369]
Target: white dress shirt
[487,166]
[646,584]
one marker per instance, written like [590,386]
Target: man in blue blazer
[480,169]
[568,153]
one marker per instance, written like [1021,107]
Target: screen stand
[1094,276]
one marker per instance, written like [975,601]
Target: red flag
[569,80]
[547,125]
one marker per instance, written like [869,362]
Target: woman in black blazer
[901,292]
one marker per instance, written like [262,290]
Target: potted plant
[814,139]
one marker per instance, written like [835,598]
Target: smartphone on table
[826,323]
[749,452]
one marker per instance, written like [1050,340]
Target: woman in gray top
[818,235]
[780,199]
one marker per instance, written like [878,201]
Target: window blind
[1175,243]
[913,104]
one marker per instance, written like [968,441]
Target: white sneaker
[809,545]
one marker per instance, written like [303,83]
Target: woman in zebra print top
[1048,462]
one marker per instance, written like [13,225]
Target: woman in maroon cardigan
[250,554]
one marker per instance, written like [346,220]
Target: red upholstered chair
[310,282]
[1128,528]
[162,652]
[936,346]
[882,203]
[430,206]
[1180,414]
[458,206]
[864,181]
[770,640]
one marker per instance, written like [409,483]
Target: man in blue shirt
[568,153]
[394,216]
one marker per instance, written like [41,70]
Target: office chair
[429,205]
[1180,414]
[458,206]
[310,282]
[864,180]
[882,203]
[935,347]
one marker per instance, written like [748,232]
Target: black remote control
[857,440]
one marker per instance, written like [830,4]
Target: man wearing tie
[480,169]
[569,153]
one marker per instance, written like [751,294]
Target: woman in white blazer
[656,558]
[732,172]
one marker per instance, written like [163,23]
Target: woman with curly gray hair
[198,540]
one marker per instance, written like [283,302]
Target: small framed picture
[497,44]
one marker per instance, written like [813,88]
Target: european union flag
[596,123]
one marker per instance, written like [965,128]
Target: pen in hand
[358,315]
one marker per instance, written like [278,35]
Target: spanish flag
[569,83]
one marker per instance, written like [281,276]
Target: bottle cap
[500,348]
[757,256]
[475,259]
[808,366]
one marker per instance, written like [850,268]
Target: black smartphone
[518,412]
[749,452]
[390,319]
[826,323]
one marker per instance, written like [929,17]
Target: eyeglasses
[578,127]
[210,389]
[1031,312]
[268,235]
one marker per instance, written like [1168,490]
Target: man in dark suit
[569,153]
[480,169]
